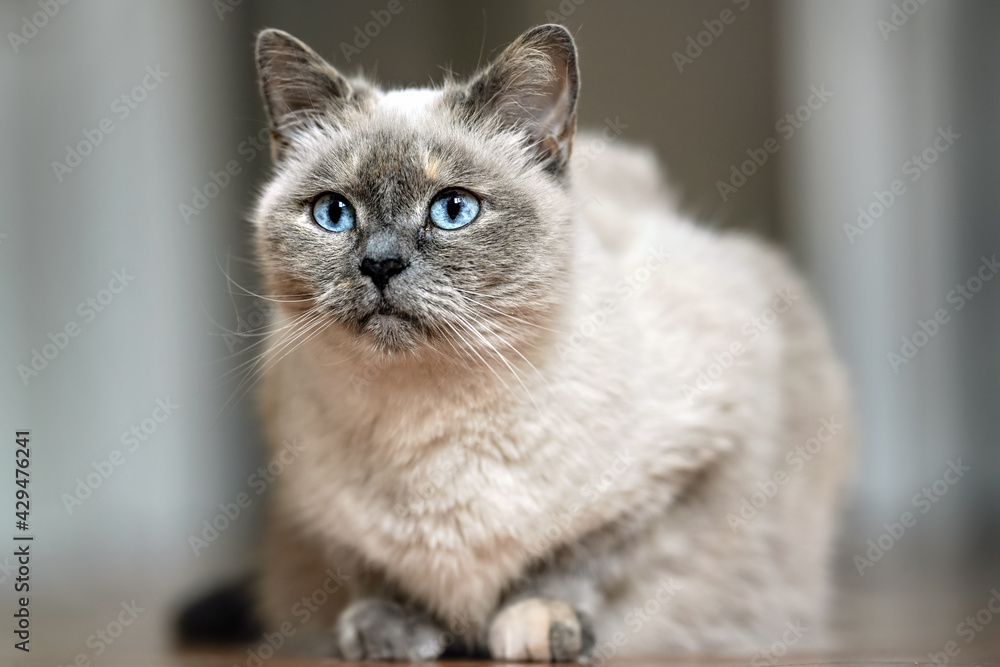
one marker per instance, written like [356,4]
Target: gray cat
[541,415]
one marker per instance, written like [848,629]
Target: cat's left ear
[533,87]
[297,86]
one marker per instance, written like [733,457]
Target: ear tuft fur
[297,86]
[532,87]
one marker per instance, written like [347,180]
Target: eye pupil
[454,207]
[335,211]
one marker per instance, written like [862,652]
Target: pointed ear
[533,87]
[297,85]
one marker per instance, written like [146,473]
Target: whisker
[288,345]
[277,298]
[472,349]
[465,294]
[499,355]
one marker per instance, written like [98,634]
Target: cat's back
[633,219]
[675,269]
[704,295]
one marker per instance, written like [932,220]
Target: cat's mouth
[390,327]
[385,314]
[386,309]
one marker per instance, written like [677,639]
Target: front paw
[540,630]
[376,629]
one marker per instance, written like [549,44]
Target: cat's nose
[381,270]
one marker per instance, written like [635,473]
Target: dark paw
[376,629]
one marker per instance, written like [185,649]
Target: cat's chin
[391,330]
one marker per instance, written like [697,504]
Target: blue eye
[333,212]
[454,209]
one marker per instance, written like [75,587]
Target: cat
[541,416]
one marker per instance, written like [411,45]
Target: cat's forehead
[394,127]
[408,138]
[410,101]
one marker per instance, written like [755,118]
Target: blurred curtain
[902,74]
[67,233]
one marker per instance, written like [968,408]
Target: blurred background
[133,142]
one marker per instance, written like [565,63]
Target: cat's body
[574,459]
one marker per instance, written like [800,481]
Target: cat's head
[419,218]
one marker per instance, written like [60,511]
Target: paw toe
[539,630]
[376,629]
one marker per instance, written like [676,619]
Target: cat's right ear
[298,86]
[532,87]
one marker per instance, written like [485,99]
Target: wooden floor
[236,660]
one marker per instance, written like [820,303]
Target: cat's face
[420,217]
